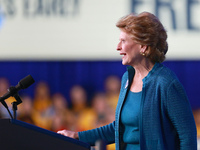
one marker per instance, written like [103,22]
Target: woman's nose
[118,47]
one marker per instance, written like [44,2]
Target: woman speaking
[153,112]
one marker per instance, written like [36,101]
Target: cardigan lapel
[126,83]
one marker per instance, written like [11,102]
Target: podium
[18,135]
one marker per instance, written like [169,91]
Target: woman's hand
[68,133]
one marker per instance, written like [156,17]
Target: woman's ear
[143,48]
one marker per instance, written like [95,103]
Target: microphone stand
[100,145]
[14,105]
[6,106]
[18,101]
[13,91]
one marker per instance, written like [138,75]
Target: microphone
[23,84]
[100,144]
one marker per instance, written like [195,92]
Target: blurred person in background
[103,112]
[4,86]
[196,113]
[112,89]
[197,121]
[61,116]
[25,109]
[79,107]
[153,111]
[99,114]
[42,103]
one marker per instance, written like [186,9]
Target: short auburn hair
[146,29]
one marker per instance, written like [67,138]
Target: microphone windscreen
[26,82]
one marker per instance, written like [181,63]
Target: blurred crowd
[196,113]
[55,112]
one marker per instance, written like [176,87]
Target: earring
[143,54]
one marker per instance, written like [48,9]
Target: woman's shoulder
[167,73]
[163,74]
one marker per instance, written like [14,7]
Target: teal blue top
[130,123]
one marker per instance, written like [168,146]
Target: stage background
[67,42]
[62,75]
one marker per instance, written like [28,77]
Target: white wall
[29,30]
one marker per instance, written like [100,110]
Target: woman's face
[129,49]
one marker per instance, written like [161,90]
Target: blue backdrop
[61,75]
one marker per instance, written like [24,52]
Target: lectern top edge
[51,133]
